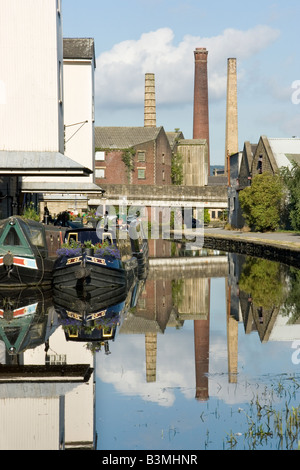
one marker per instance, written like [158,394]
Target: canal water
[204,354]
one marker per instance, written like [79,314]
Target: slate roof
[124,137]
[79,48]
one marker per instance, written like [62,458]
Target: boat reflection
[95,321]
[24,320]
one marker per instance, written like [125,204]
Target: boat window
[72,236]
[108,332]
[35,235]
[107,237]
[12,238]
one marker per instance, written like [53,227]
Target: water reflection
[265,296]
[50,342]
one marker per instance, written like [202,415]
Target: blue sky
[134,37]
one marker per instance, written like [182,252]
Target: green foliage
[206,216]
[128,160]
[177,169]
[291,306]
[31,213]
[291,180]
[263,280]
[261,202]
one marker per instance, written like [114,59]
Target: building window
[141,156]
[100,156]
[141,173]
[259,164]
[163,159]
[100,173]
[163,175]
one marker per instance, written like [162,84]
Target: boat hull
[26,272]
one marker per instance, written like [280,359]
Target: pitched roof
[124,137]
[173,138]
[285,151]
[79,48]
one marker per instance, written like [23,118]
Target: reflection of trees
[177,291]
[292,303]
[263,279]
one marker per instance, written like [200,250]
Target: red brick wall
[148,165]
[157,164]
[114,168]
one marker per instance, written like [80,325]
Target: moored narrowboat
[94,259]
[27,252]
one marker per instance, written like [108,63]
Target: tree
[291,180]
[261,202]
[177,169]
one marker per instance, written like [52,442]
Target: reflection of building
[46,387]
[78,416]
[177,289]
[233,313]
[261,307]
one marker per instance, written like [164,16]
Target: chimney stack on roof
[201,113]
[150,103]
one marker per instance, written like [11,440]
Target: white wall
[31,117]
[78,100]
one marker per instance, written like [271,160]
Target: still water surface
[205,357]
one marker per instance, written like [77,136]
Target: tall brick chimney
[232,144]
[201,113]
[150,103]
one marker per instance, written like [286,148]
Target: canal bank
[277,246]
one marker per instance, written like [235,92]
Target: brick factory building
[132,155]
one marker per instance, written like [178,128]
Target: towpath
[283,239]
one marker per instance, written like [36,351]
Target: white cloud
[175,370]
[121,71]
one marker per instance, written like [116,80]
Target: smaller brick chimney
[150,103]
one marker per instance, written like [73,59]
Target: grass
[267,424]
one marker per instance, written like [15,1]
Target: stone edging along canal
[281,251]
